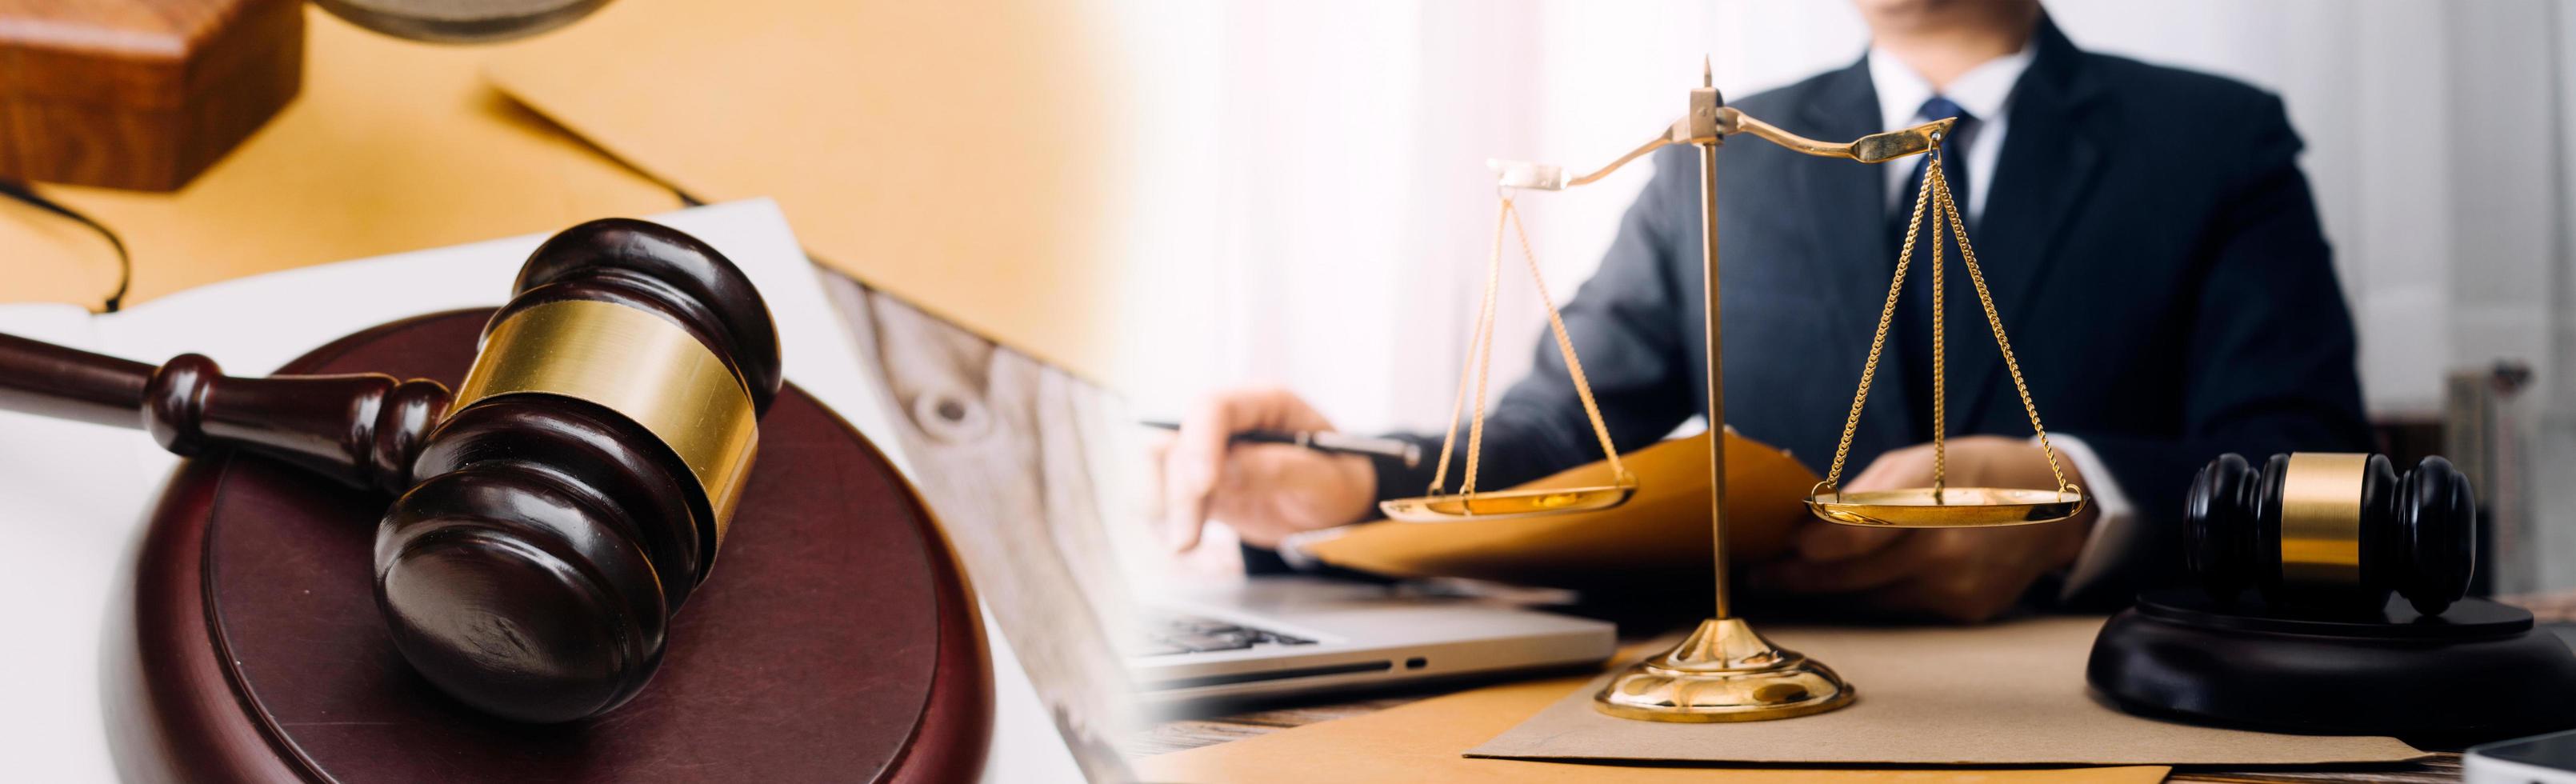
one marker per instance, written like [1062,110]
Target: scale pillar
[1724,671]
[1704,104]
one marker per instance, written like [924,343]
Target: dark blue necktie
[1913,333]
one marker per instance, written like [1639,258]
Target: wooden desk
[1192,733]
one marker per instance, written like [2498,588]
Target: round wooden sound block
[2480,671]
[833,640]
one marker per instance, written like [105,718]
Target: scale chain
[1480,362]
[1886,315]
[1934,194]
[1968,257]
[1479,355]
[1565,346]
[1940,390]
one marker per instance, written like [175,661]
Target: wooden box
[139,94]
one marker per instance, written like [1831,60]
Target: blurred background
[1313,209]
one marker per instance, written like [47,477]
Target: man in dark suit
[2150,244]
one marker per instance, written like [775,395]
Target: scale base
[2479,671]
[1723,672]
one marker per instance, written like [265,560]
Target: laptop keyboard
[1171,634]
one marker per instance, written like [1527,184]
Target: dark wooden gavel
[2319,530]
[555,510]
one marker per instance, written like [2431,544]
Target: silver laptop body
[1280,635]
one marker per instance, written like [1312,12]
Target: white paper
[70,499]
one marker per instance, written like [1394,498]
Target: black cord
[124,261]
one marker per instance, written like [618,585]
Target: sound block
[140,94]
[2479,671]
[833,640]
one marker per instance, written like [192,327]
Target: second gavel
[2323,531]
[553,511]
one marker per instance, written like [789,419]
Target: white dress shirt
[1986,92]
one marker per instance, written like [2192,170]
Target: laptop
[1277,635]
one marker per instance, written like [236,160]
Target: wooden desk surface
[1192,733]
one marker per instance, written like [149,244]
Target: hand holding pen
[1294,473]
[1325,441]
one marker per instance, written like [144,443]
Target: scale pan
[1956,507]
[1506,504]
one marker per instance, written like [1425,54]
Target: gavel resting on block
[555,509]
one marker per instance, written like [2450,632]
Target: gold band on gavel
[2321,518]
[636,364]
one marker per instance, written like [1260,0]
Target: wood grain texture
[1198,731]
[1011,452]
[139,94]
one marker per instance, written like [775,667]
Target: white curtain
[1316,212]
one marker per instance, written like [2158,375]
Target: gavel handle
[363,429]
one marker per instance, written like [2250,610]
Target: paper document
[1420,741]
[2010,693]
[1660,537]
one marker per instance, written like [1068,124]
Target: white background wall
[1315,211]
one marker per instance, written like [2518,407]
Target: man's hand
[1264,491]
[1963,574]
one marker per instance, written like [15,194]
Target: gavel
[2333,531]
[553,512]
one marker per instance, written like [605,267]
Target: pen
[1323,441]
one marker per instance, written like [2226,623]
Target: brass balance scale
[1724,671]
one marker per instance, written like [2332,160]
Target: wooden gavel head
[556,509]
[581,482]
[2333,531]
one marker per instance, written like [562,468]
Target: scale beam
[1874,148]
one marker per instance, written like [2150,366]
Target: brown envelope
[1659,537]
[2009,693]
[961,155]
[1421,741]
[392,146]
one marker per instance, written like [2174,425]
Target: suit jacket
[2149,240]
